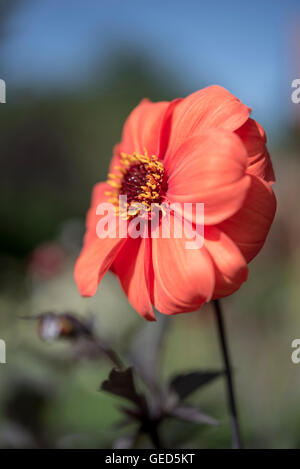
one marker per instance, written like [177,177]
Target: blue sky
[244,46]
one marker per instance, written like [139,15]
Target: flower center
[141,179]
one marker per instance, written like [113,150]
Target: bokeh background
[74,70]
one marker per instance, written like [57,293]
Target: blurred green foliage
[53,148]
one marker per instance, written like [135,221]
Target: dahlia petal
[211,107]
[183,279]
[249,227]
[259,161]
[263,168]
[132,267]
[95,259]
[210,168]
[143,127]
[166,127]
[230,265]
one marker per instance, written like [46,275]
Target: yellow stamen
[114,176]
[114,184]
[146,193]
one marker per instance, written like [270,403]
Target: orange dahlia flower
[203,148]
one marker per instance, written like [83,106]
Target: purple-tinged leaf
[121,383]
[185,384]
[192,414]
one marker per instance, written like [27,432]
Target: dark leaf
[185,384]
[192,414]
[121,383]
[131,413]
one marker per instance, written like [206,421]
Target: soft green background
[54,145]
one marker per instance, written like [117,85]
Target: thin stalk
[111,354]
[235,428]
